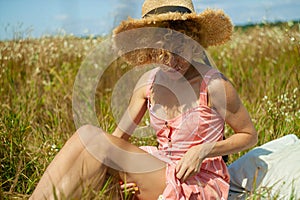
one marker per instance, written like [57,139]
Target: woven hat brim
[209,28]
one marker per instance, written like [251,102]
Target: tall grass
[37,77]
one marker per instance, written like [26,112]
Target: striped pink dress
[199,125]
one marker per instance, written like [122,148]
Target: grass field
[37,77]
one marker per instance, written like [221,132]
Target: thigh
[151,184]
[140,167]
[132,163]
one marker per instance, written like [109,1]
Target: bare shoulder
[223,95]
[144,82]
[227,102]
[147,76]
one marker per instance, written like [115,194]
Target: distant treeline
[270,24]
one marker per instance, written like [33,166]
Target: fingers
[184,171]
[180,174]
[189,173]
[179,170]
[129,187]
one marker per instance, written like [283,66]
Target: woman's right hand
[128,187]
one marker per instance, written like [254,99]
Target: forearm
[234,144]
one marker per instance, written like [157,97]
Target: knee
[90,135]
[94,141]
[88,129]
[82,135]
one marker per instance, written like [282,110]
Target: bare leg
[80,163]
[72,168]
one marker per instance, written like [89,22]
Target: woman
[188,100]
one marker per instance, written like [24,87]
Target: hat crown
[150,5]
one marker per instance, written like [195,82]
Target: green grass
[37,77]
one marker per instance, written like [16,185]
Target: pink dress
[175,136]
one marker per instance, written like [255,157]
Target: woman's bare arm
[136,109]
[225,99]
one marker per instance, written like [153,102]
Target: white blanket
[271,170]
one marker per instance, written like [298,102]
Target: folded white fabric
[272,169]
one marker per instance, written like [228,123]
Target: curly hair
[173,43]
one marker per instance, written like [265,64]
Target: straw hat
[211,27]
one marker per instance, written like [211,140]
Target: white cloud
[61,17]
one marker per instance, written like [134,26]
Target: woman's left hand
[190,163]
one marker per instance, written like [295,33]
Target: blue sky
[84,17]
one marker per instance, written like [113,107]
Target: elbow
[254,138]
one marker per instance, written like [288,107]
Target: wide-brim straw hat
[208,28]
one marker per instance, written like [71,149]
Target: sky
[36,18]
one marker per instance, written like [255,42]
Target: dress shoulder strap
[151,81]
[203,88]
